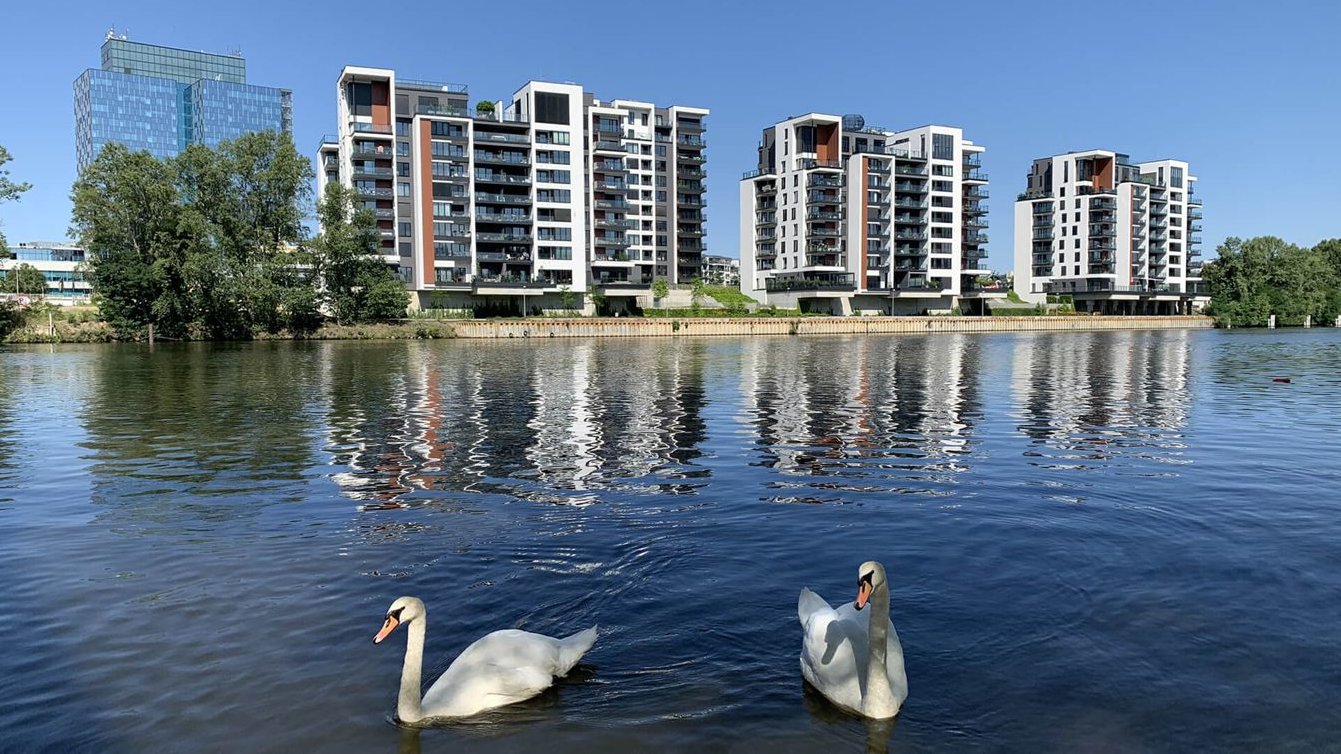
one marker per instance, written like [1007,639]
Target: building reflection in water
[869,414]
[1086,400]
[552,422]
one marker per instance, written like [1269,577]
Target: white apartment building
[1117,237]
[844,218]
[521,204]
[719,270]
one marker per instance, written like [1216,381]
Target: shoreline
[659,327]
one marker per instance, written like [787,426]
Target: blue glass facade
[161,99]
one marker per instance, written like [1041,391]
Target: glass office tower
[161,99]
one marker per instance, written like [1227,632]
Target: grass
[728,296]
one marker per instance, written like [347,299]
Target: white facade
[524,205]
[1116,236]
[844,218]
[60,263]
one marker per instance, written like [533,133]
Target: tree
[9,190]
[484,107]
[660,289]
[698,290]
[25,279]
[1251,280]
[357,286]
[127,213]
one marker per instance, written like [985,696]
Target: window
[405,230]
[554,234]
[1176,177]
[403,169]
[941,217]
[943,146]
[553,156]
[944,170]
[402,128]
[402,189]
[555,252]
[945,186]
[551,107]
[553,176]
[402,149]
[558,196]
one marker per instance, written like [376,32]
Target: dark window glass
[942,146]
[360,99]
[551,108]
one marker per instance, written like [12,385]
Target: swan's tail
[573,647]
[808,604]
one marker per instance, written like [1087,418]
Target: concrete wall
[621,327]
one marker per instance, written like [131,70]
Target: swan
[500,668]
[856,664]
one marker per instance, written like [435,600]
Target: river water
[1124,541]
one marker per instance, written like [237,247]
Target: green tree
[357,285]
[9,190]
[660,289]
[698,290]
[1253,279]
[127,213]
[25,278]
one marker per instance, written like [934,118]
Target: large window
[1176,177]
[551,108]
[360,99]
[943,146]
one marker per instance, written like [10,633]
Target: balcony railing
[485,198]
[502,217]
[975,175]
[838,281]
[369,128]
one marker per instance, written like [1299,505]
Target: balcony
[824,197]
[914,170]
[834,281]
[975,224]
[502,158]
[1194,201]
[818,214]
[502,217]
[689,158]
[922,284]
[691,142]
[370,128]
[613,241]
[973,193]
[618,224]
[910,219]
[903,187]
[485,198]
[813,164]
[822,181]
[975,238]
[378,192]
[371,172]
[910,235]
[909,203]
[747,175]
[501,138]
[975,175]
[1043,208]
[504,178]
[824,232]
[503,238]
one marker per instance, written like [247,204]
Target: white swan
[856,664]
[501,668]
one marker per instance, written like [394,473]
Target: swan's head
[403,610]
[870,577]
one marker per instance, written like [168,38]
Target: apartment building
[844,218]
[161,99]
[719,270]
[60,263]
[1117,237]
[524,204]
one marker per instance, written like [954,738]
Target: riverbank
[101,332]
[632,327]
[723,326]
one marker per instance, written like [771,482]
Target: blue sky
[1247,92]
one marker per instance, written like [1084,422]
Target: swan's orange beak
[863,594]
[388,626]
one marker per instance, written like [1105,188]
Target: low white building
[1117,237]
[61,263]
[719,270]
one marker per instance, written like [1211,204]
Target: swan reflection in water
[823,712]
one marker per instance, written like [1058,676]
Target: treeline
[1253,279]
[211,244]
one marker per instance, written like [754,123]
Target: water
[1113,541]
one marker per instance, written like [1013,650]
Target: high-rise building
[161,99]
[1117,237]
[525,203]
[844,218]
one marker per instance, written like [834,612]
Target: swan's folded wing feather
[809,604]
[517,683]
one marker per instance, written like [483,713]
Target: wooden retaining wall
[637,328]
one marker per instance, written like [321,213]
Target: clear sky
[1248,92]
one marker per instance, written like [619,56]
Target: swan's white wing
[832,641]
[503,667]
[808,604]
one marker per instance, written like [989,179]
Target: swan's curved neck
[408,704]
[879,698]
